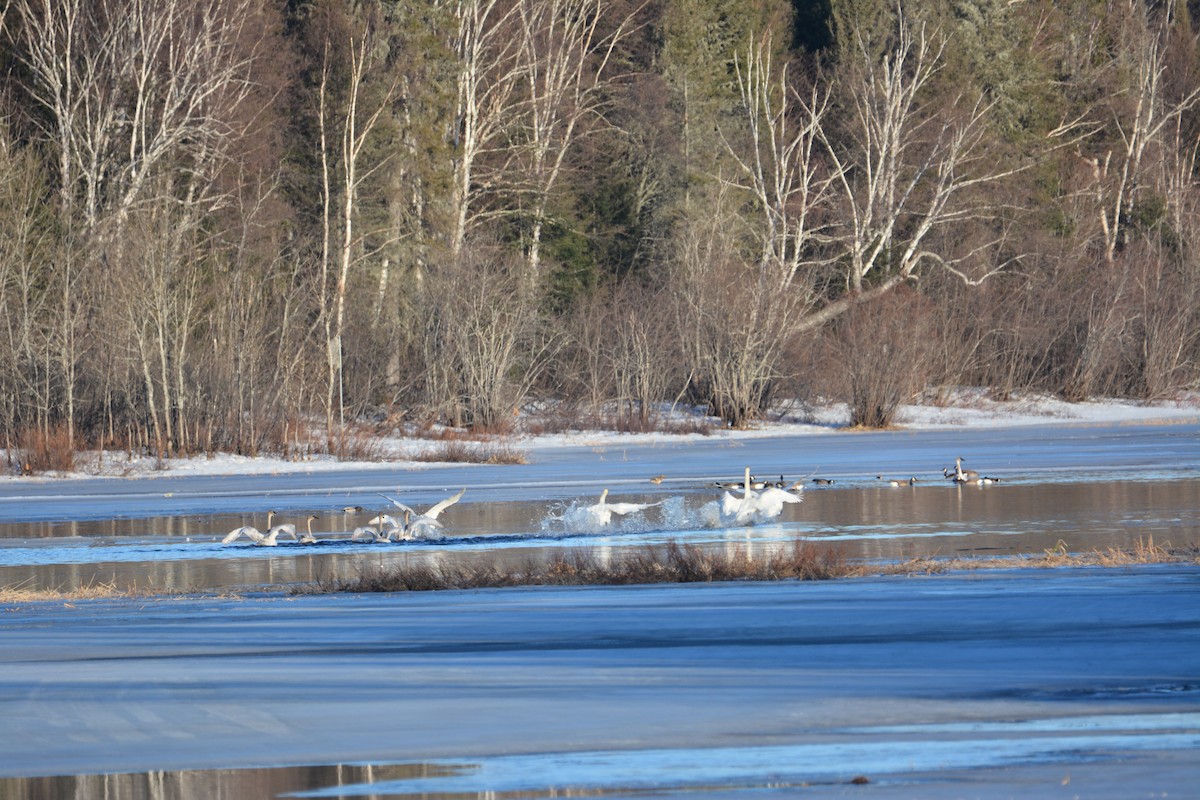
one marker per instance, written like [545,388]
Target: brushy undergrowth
[464,452]
[683,563]
[668,563]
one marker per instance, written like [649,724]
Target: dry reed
[668,563]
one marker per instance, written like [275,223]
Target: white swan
[961,473]
[308,537]
[385,521]
[755,506]
[366,533]
[420,524]
[601,513]
[286,529]
[252,533]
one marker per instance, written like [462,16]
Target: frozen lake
[993,685]
[1028,683]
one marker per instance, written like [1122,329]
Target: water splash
[672,514]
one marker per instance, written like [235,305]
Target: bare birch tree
[782,165]
[564,57]
[356,126]
[486,81]
[139,97]
[906,168]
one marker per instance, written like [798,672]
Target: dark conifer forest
[237,224]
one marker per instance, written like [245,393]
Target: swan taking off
[415,524]
[366,533]
[755,506]
[267,539]
[600,514]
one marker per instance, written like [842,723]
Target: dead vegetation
[456,451]
[99,590]
[668,563]
[683,563]
[1142,552]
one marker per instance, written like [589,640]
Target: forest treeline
[225,222]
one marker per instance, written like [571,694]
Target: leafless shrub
[732,321]
[357,443]
[564,418]
[45,450]
[459,452]
[485,344]
[883,352]
[668,563]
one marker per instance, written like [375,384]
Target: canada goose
[600,513]
[751,481]
[823,481]
[415,524]
[352,510]
[898,481]
[982,480]
[731,485]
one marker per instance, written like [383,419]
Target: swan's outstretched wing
[438,508]
[365,533]
[730,505]
[416,526]
[770,501]
[249,531]
[396,503]
[283,530]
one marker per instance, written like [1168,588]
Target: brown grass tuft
[1141,553]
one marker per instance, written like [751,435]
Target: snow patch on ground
[965,408]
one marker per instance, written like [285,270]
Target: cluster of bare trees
[221,221]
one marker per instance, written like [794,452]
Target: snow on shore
[966,409]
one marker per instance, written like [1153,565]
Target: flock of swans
[750,501]
[380,529]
